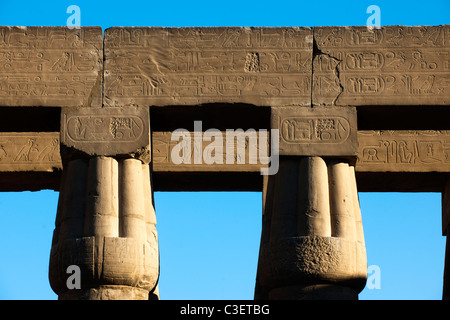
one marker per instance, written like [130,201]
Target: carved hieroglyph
[29,151]
[107,131]
[404,151]
[316,131]
[174,66]
[51,66]
[391,65]
[378,151]
[249,157]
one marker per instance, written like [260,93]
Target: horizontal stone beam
[51,66]
[29,152]
[154,66]
[179,66]
[404,151]
[378,151]
[392,65]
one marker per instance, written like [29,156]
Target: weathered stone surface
[29,151]
[247,158]
[378,151]
[316,131]
[107,131]
[391,65]
[312,229]
[51,66]
[403,151]
[105,225]
[106,292]
[177,66]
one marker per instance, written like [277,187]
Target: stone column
[312,242]
[105,224]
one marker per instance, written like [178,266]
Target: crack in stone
[316,53]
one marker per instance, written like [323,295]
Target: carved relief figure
[49,151]
[26,150]
[3,153]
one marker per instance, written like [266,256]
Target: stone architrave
[107,132]
[29,151]
[378,151]
[256,148]
[318,131]
[391,65]
[181,66]
[51,66]
[403,151]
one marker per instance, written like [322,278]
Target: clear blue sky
[209,241]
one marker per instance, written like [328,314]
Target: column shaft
[312,243]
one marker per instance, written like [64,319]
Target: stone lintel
[318,131]
[397,65]
[403,151]
[114,132]
[396,151]
[51,66]
[155,66]
[29,151]
[248,149]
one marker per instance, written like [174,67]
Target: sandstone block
[29,151]
[249,158]
[403,151]
[316,131]
[51,66]
[177,66]
[391,65]
[107,132]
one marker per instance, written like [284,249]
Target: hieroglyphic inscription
[250,158]
[393,64]
[51,66]
[173,66]
[107,131]
[104,128]
[411,151]
[316,131]
[378,151]
[29,151]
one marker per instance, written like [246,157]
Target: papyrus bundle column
[106,221]
[312,243]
